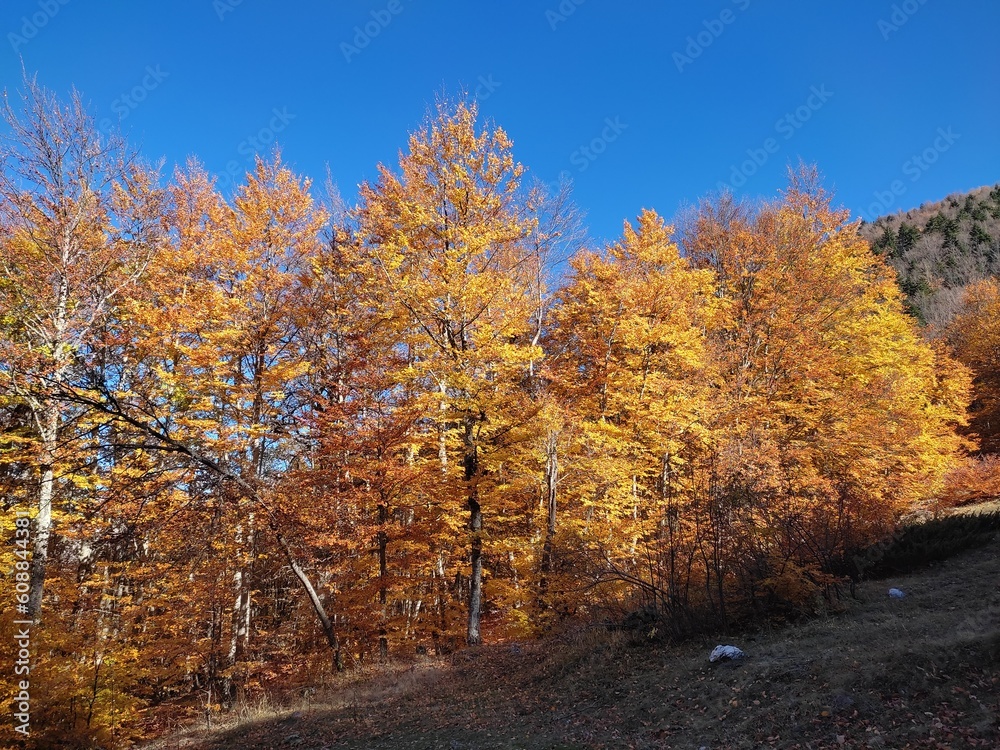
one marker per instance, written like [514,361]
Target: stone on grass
[896,593]
[721,653]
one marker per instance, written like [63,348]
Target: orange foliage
[975,479]
[974,335]
[284,435]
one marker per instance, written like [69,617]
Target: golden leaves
[400,396]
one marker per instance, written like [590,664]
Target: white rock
[896,593]
[726,652]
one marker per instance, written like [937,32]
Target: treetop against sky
[643,105]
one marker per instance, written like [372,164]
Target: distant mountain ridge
[940,248]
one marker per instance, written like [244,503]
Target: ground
[919,672]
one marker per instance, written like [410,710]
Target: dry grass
[988,506]
[921,672]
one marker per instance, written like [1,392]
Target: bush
[974,480]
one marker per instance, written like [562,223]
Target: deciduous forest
[251,439]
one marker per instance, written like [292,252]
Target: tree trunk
[551,480]
[49,429]
[239,637]
[324,619]
[473,637]
[471,465]
[383,578]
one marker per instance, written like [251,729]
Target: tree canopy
[259,436]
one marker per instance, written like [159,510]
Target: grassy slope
[922,672]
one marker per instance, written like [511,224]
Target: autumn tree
[747,411]
[974,335]
[368,482]
[447,236]
[80,219]
[210,374]
[835,416]
[231,322]
[629,361]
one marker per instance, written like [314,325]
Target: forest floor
[918,672]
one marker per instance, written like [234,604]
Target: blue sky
[643,104]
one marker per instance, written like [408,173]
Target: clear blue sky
[644,104]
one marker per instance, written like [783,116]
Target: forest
[940,249]
[252,439]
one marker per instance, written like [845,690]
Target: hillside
[939,248]
[921,672]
